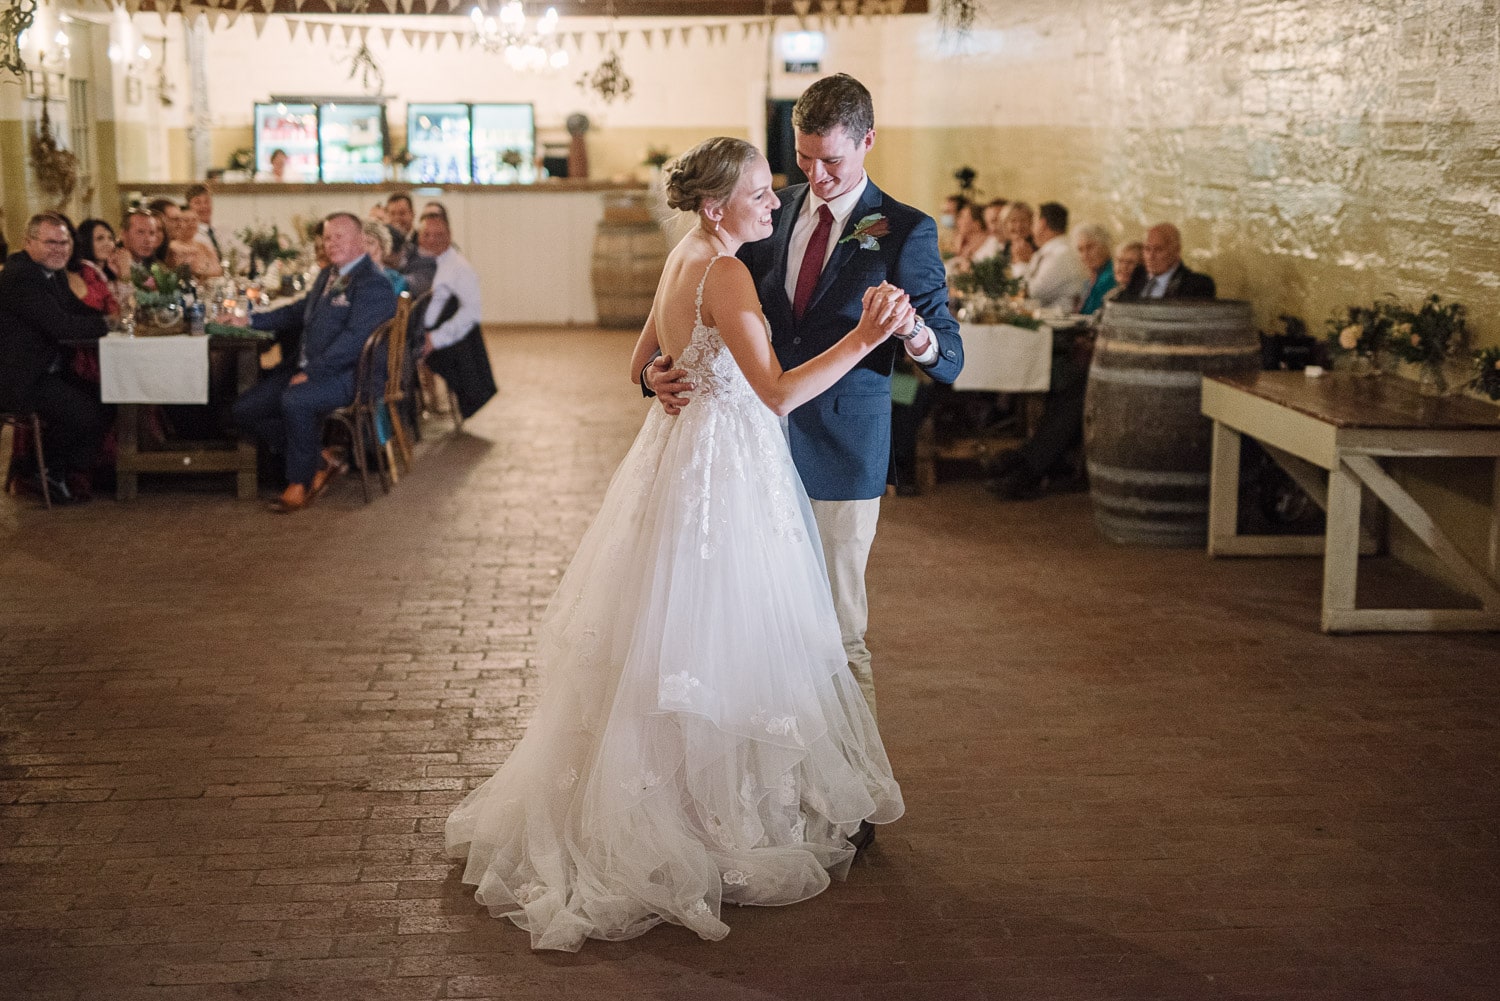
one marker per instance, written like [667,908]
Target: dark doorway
[781,144]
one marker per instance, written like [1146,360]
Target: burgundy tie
[812,261]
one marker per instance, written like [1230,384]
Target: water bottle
[197,315]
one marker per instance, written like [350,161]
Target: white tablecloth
[153,369]
[1006,359]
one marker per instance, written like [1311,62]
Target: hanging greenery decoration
[958,15]
[14,20]
[56,169]
[608,80]
[363,64]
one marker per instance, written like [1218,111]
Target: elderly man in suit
[37,313]
[349,299]
[835,237]
[1165,276]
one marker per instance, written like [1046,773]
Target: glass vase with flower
[1435,338]
[1356,337]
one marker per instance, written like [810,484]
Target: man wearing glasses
[38,313]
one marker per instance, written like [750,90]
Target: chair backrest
[369,381]
[416,321]
[396,348]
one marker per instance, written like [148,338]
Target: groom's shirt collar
[842,208]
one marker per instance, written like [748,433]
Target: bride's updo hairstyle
[707,172]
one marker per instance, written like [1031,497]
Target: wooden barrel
[629,251]
[1145,437]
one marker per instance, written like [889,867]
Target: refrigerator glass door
[504,144]
[353,142]
[437,136]
[293,129]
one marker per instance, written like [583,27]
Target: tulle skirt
[700,739]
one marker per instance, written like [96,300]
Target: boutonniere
[867,231]
[339,299]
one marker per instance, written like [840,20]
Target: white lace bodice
[711,367]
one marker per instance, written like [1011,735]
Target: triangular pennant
[386,34]
[348,32]
[577,37]
[364,35]
[410,36]
[258,22]
[438,39]
[648,36]
[666,38]
[687,34]
[291,29]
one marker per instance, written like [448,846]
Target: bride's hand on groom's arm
[668,383]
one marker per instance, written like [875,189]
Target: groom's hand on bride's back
[668,383]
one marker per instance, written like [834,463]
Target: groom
[835,237]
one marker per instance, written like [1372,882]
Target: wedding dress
[700,739]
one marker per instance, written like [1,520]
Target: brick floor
[230,741]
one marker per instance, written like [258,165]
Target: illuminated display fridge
[293,129]
[504,143]
[328,141]
[437,136]
[352,138]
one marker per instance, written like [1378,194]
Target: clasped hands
[886,311]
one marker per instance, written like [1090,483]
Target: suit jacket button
[949,353]
[796,340]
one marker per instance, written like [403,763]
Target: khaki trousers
[847,529]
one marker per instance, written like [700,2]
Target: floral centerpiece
[987,289]
[1360,333]
[158,299]
[1433,336]
[1487,372]
[266,246]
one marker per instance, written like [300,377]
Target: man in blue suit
[835,237]
[286,411]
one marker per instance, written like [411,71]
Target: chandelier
[526,47]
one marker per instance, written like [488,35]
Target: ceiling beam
[567,8]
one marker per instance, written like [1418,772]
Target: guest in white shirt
[201,201]
[455,279]
[1057,277]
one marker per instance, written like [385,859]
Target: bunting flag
[291,29]
[386,33]
[258,21]
[648,36]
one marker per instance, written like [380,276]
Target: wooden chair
[411,386]
[416,337]
[358,418]
[395,388]
[18,419]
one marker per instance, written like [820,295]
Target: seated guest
[994,218]
[418,265]
[1016,232]
[1092,242]
[140,234]
[201,202]
[285,411]
[38,313]
[184,249]
[1056,279]
[93,243]
[975,241]
[454,281]
[378,246]
[1127,265]
[400,217]
[948,224]
[168,214]
[1165,276]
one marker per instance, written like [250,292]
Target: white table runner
[1005,359]
[153,369]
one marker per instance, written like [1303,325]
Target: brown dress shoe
[293,498]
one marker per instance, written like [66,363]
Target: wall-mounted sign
[802,51]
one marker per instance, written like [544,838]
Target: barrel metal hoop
[1146,477]
[1145,377]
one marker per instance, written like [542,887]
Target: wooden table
[237,456]
[1345,425]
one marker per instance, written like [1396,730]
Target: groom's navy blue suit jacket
[841,440]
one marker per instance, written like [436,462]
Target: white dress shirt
[455,277]
[1057,277]
[842,208]
[1157,287]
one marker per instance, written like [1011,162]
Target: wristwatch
[916,330]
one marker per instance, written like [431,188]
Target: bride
[700,739]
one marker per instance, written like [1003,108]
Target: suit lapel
[316,297]
[842,251]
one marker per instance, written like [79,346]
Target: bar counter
[532,244]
